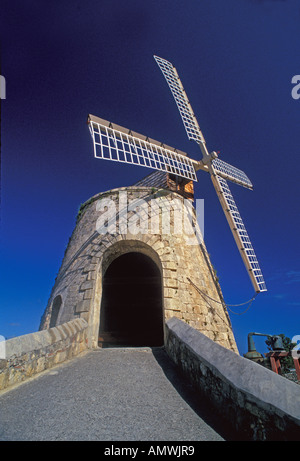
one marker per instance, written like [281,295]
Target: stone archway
[131,312]
[56,305]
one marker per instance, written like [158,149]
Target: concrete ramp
[113,394]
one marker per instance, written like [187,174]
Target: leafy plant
[286,362]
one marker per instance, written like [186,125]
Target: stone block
[75,325]
[13,347]
[62,331]
[55,334]
[171,303]
[170,292]
[88,294]
[84,316]
[91,275]
[171,265]
[28,343]
[82,306]
[42,338]
[67,329]
[170,282]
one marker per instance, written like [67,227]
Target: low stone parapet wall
[254,402]
[27,355]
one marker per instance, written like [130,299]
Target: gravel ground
[115,394]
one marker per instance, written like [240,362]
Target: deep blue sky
[63,60]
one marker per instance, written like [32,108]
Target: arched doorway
[55,311]
[131,311]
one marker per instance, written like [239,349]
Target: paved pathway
[116,394]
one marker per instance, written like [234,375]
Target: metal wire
[223,303]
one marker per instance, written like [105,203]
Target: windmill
[113,142]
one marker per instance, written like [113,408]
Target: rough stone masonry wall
[79,281]
[253,402]
[33,353]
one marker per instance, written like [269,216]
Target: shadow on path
[188,392]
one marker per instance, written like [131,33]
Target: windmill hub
[207,159]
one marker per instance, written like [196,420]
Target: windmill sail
[231,173]
[220,172]
[239,232]
[112,142]
[228,172]
[115,143]
[192,127]
[188,117]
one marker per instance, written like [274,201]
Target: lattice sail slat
[231,173]
[120,146]
[185,109]
[239,232]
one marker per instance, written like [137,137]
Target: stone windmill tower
[136,256]
[132,263]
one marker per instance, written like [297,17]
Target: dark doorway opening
[131,311]
[55,311]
